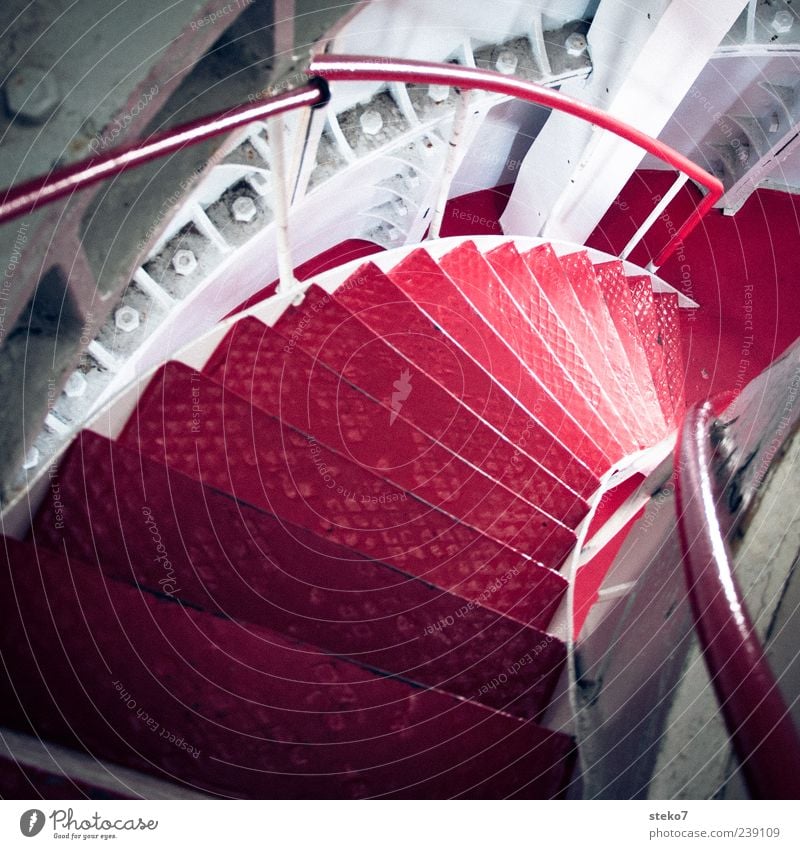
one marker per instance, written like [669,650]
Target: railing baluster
[450,163]
[280,195]
[665,201]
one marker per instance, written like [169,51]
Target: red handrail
[377,69]
[758,721]
[63,182]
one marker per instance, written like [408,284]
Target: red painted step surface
[331,334]
[251,455]
[253,361]
[556,288]
[168,533]
[614,286]
[620,382]
[429,287]
[145,682]
[484,289]
[666,304]
[647,324]
[392,316]
[531,301]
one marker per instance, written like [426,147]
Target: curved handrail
[63,182]
[378,69]
[758,721]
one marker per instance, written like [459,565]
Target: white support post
[451,162]
[280,194]
[750,34]
[658,209]
[645,57]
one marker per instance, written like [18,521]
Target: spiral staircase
[331,543]
[321,556]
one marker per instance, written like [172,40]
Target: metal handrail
[62,182]
[376,69]
[758,721]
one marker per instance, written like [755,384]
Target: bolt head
[371,122]
[76,385]
[184,262]
[575,44]
[506,62]
[31,93]
[31,460]
[126,319]
[244,209]
[783,21]
[438,93]
[412,180]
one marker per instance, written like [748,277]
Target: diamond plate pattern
[619,384]
[170,534]
[647,324]
[240,711]
[666,304]
[543,321]
[477,282]
[254,362]
[555,288]
[425,283]
[614,286]
[328,332]
[255,458]
[380,305]
[517,278]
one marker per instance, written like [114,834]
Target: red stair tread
[666,304]
[252,456]
[647,322]
[475,278]
[382,307]
[170,534]
[524,289]
[620,383]
[145,682]
[419,276]
[331,334]
[614,286]
[555,287]
[253,362]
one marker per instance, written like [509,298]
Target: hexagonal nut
[575,44]
[506,62]
[76,383]
[244,209]
[31,93]
[371,122]
[31,460]
[184,262]
[438,93]
[126,319]
[783,21]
